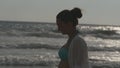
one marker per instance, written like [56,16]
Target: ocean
[36,45]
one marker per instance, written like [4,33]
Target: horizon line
[37,22]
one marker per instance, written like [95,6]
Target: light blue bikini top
[63,53]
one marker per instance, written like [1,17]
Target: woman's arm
[78,54]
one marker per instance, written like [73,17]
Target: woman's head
[68,19]
[70,16]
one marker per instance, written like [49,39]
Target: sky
[94,11]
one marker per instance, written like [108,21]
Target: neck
[72,34]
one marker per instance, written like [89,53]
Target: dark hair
[70,15]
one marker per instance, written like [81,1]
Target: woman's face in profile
[63,27]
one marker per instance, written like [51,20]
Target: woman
[74,53]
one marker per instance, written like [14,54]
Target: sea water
[36,45]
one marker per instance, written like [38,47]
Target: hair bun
[76,12]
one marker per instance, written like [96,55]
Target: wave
[106,36]
[104,64]
[48,60]
[105,32]
[28,60]
[102,35]
[54,47]
[104,49]
[50,30]
[48,35]
[31,46]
